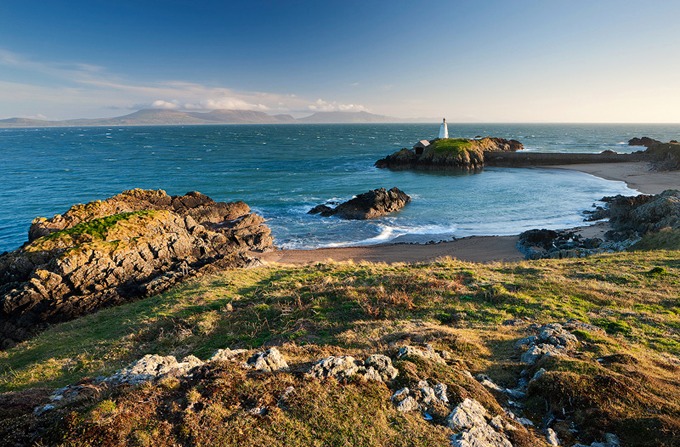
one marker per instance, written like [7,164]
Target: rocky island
[369,205]
[448,153]
[103,253]
[473,154]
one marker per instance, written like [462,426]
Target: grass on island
[359,309]
[453,146]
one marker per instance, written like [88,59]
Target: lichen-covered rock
[341,368]
[270,360]
[377,367]
[421,397]
[553,340]
[226,355]
[152,367]
[469,422]
[383,366]
[104,253]
[369,205]
[404,402]
[411,352]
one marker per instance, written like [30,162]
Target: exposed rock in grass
[422,397]
[469,421]
[383,365]
[226,355]
[406,352]
[377,367]
[270,360]
[369,205]
[152,367]
[135,244]
[552,340]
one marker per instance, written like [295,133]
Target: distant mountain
[162,117]
[347,117]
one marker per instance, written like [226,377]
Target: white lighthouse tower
[443,130]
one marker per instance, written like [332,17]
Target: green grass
[96,228]
[354,306]
[667,239]
[357,309]
[454,146]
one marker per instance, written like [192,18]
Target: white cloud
[86,90]
[324,106]
[161,104]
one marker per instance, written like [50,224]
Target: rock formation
[630,217]
[449,153]
[663,156]
[135,244]
[369,205]
[644,141]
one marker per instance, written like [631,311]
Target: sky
[469,61]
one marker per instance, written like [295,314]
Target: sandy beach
[481,248]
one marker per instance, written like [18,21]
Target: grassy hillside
[475,312]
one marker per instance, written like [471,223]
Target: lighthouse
[443,130]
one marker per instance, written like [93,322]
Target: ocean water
[282,171]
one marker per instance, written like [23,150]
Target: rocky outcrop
[644,141]
[449,153]
[369,205]
[552,340]
[135,244]
[377,367]
[268,361]
[634,217]
[663,156]
[630,218]
[469,422]
[539,244]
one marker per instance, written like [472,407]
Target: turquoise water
[283,170]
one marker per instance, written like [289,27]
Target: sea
[282,171]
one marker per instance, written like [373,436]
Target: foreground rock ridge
[369,205]
[135,244]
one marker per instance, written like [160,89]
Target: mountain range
[156,117]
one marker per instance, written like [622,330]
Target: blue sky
[492,61]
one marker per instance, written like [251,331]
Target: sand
[481,248]
[636,175]
[474,249]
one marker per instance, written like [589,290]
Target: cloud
[84,89]
[324,106]
[162,104]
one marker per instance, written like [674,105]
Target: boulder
[369,205]
[644,141]
[341,368]
[469,423]
[103,253]
[270,360]
[377,367]
[383,366]
[152,367]
[411,352]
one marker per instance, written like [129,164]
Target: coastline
[484,249]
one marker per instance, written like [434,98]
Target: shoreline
[483,249]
